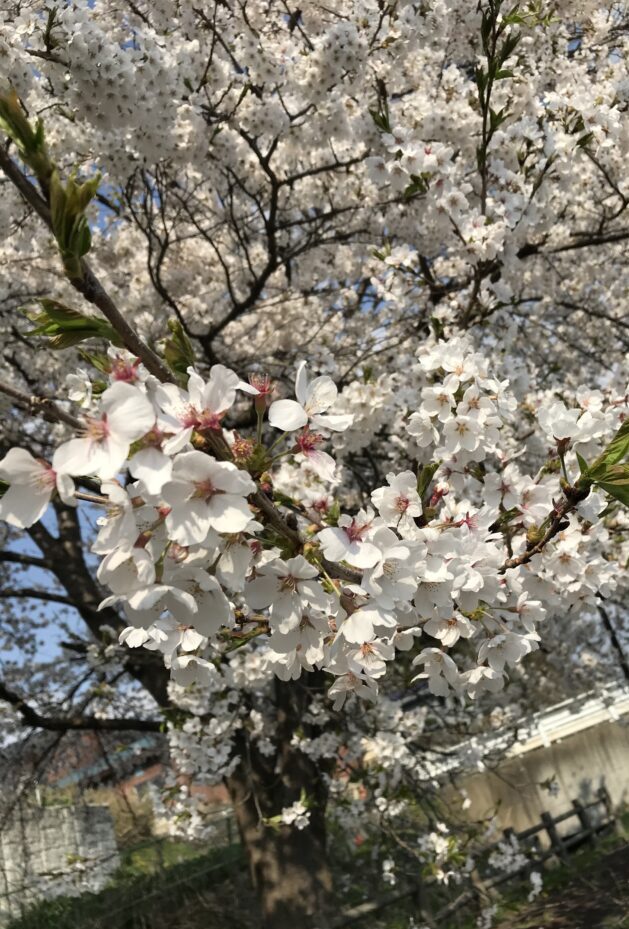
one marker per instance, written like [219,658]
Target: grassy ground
[170,886]
[591,893]
[175,886]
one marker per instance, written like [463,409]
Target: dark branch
[31,717]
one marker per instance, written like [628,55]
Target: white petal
[79,456]
[357,628]
[65,489]
[194,466]
[337,422]
[130,413]
[261,592]
[18,465]
[152,467]
[301,383]
[362,555]
[176,442]
[188,523]
[287,415]
[321,395]
[321,463]
[335,543]
[229,513]
[23,505]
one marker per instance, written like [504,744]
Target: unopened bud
[198,441]
[534,535]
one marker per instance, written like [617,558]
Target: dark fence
[539,843]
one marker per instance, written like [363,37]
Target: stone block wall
[52,851]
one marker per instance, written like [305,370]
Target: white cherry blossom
[314,400]
[206,494]
[124,415]
[32,483]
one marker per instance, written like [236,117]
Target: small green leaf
[69,223]
[417,187]
[618,448]
[30,142]
[583,465]
[619,490]
[64,327]
[425,476]
[616,451]
[98,360]
[177,349]
[510,45]
[616,483]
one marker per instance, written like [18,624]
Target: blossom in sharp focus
[32,483]
[287,588]
[314,400]
[449,630]
[200,407]
[349,541]
[125,415]
[206,494]
[399,502]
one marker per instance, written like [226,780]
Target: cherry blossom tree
[315,384]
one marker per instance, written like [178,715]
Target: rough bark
[289,867]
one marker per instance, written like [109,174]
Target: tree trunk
[289,866]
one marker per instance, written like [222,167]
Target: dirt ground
[596,898]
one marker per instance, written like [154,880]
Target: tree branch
[48,408]
[31,717]
[557,523]
[88,285]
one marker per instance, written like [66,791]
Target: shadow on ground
[596,898]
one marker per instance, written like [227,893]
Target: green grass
[152,881]
[152,856]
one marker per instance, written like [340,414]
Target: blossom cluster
[198,554]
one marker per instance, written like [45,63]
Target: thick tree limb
[31,717]
[27,561]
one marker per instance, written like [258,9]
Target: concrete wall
[51,851]
[580,764]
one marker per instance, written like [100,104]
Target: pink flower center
[97,429]
[355,531]
[402,504]
[200,419]
[209,420]
[308,441]
[470,521]
[262,383]
[205,490]
[189,417]
[47,477]
[123,370]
